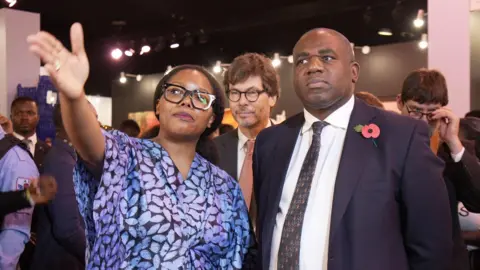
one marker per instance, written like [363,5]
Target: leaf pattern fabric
[142,214]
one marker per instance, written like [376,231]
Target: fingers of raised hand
[47,47]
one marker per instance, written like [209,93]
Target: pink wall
[17,65]
[449,48]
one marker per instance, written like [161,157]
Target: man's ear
[355,71]
[272,101]
[399,102]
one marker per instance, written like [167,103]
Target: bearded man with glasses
[253,87]
[424,97]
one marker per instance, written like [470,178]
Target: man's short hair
[253,64]
[370,99]
[224,128]
[130,127]
[474,113]
[425,86]
[19,100]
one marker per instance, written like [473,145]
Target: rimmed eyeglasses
[175,93]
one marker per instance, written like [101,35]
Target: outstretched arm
[69,72]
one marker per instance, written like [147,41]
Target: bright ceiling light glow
[116,54]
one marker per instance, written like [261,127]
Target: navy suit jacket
[390,208]
[61,240]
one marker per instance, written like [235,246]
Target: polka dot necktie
[289,251]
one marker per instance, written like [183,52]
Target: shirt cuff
[457,157]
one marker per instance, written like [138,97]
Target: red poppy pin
[370,131]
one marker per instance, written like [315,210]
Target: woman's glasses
[175,93]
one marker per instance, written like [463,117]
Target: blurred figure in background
[151,132]
[253,88]
[17,168]
[370,99]
[39,191]
[424,97]
[474,113]
[225,128]
[130,127]
[25,117]
[60,229]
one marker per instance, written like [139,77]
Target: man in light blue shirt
[16,171]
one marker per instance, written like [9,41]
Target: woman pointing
[151,203]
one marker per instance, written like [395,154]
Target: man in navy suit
[61,229]
[343,185]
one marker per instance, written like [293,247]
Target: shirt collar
[242,139]
[339,118]
[32,138]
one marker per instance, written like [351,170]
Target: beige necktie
[246,174]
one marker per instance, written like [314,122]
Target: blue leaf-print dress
[143,215]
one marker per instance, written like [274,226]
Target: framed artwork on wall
[145,120]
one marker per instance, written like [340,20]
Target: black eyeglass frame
[258,92]
[189,93]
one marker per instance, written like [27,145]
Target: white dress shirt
[316,225]
[242,149]
[33,141]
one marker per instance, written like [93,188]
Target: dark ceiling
[216,30]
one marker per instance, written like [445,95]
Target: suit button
[330,258]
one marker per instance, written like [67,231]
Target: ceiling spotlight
[145,49]
[174,44]
[116,53]
[276,62]
[419,21]
[290,59]
[11,3]
[218,67]
[169,68]
[123,79]
[139,78]
[129,52]
[423,44]
[385,32]
[366,49]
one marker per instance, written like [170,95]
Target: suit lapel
[356,149]
[278,168]
[41,150]
[231,147]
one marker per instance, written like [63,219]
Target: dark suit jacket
[390,208]
[463,184]
[227,146]
[60,232]
[41,150]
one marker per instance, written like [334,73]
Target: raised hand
[43,189]
[6,124]
[448,128]
[68,70]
